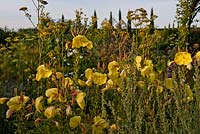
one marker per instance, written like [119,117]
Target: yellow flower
[52,94]
[148,63]
[89,82]
[152,76]
[183,58]
[197,55]
[113,66]
[159,89]
[138,59]
[59,75]
[50,112]
[146,71]
[88,73]
[9,113]
[43,72]
[80,99]
[81,41]
[2,100]
[81,83]
[99,78]
[17,102]
[99,125]
[109,85]
[113,73]
[114,127]
[68,82]
[140,84]
[74,121]
[38,104]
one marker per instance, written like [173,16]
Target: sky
[11,17]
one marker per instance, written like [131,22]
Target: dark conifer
[95,21]
[111,19]
[120,19]
[151,30]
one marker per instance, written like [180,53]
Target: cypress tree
[151,30]
[169,26]
[120,19]
[63,18]
[95,21]
[110,20]
[129,23]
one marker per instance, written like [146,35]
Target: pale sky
[11,17]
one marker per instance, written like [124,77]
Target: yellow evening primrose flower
[74,121]
[3,100]
[38,104]
[80,99]
[99,125]
[113,66]
[50,112]
[148,63]
[183,58]
[9,113]
[59,75]
[52,94]
[89,45]
[146,71]
[81,41]
[81,83]
[197,55]
[113,73]
[88,73]
[138,59]
[99,78]
[43,72]
[17,102]
[159,89]
[152,76]
[68,82]
[109,85]
[140,84]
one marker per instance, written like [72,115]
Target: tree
[111,19]
[129,22]
[63,18]
[186,12]
[120,19]
[94,20]
[151,29]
